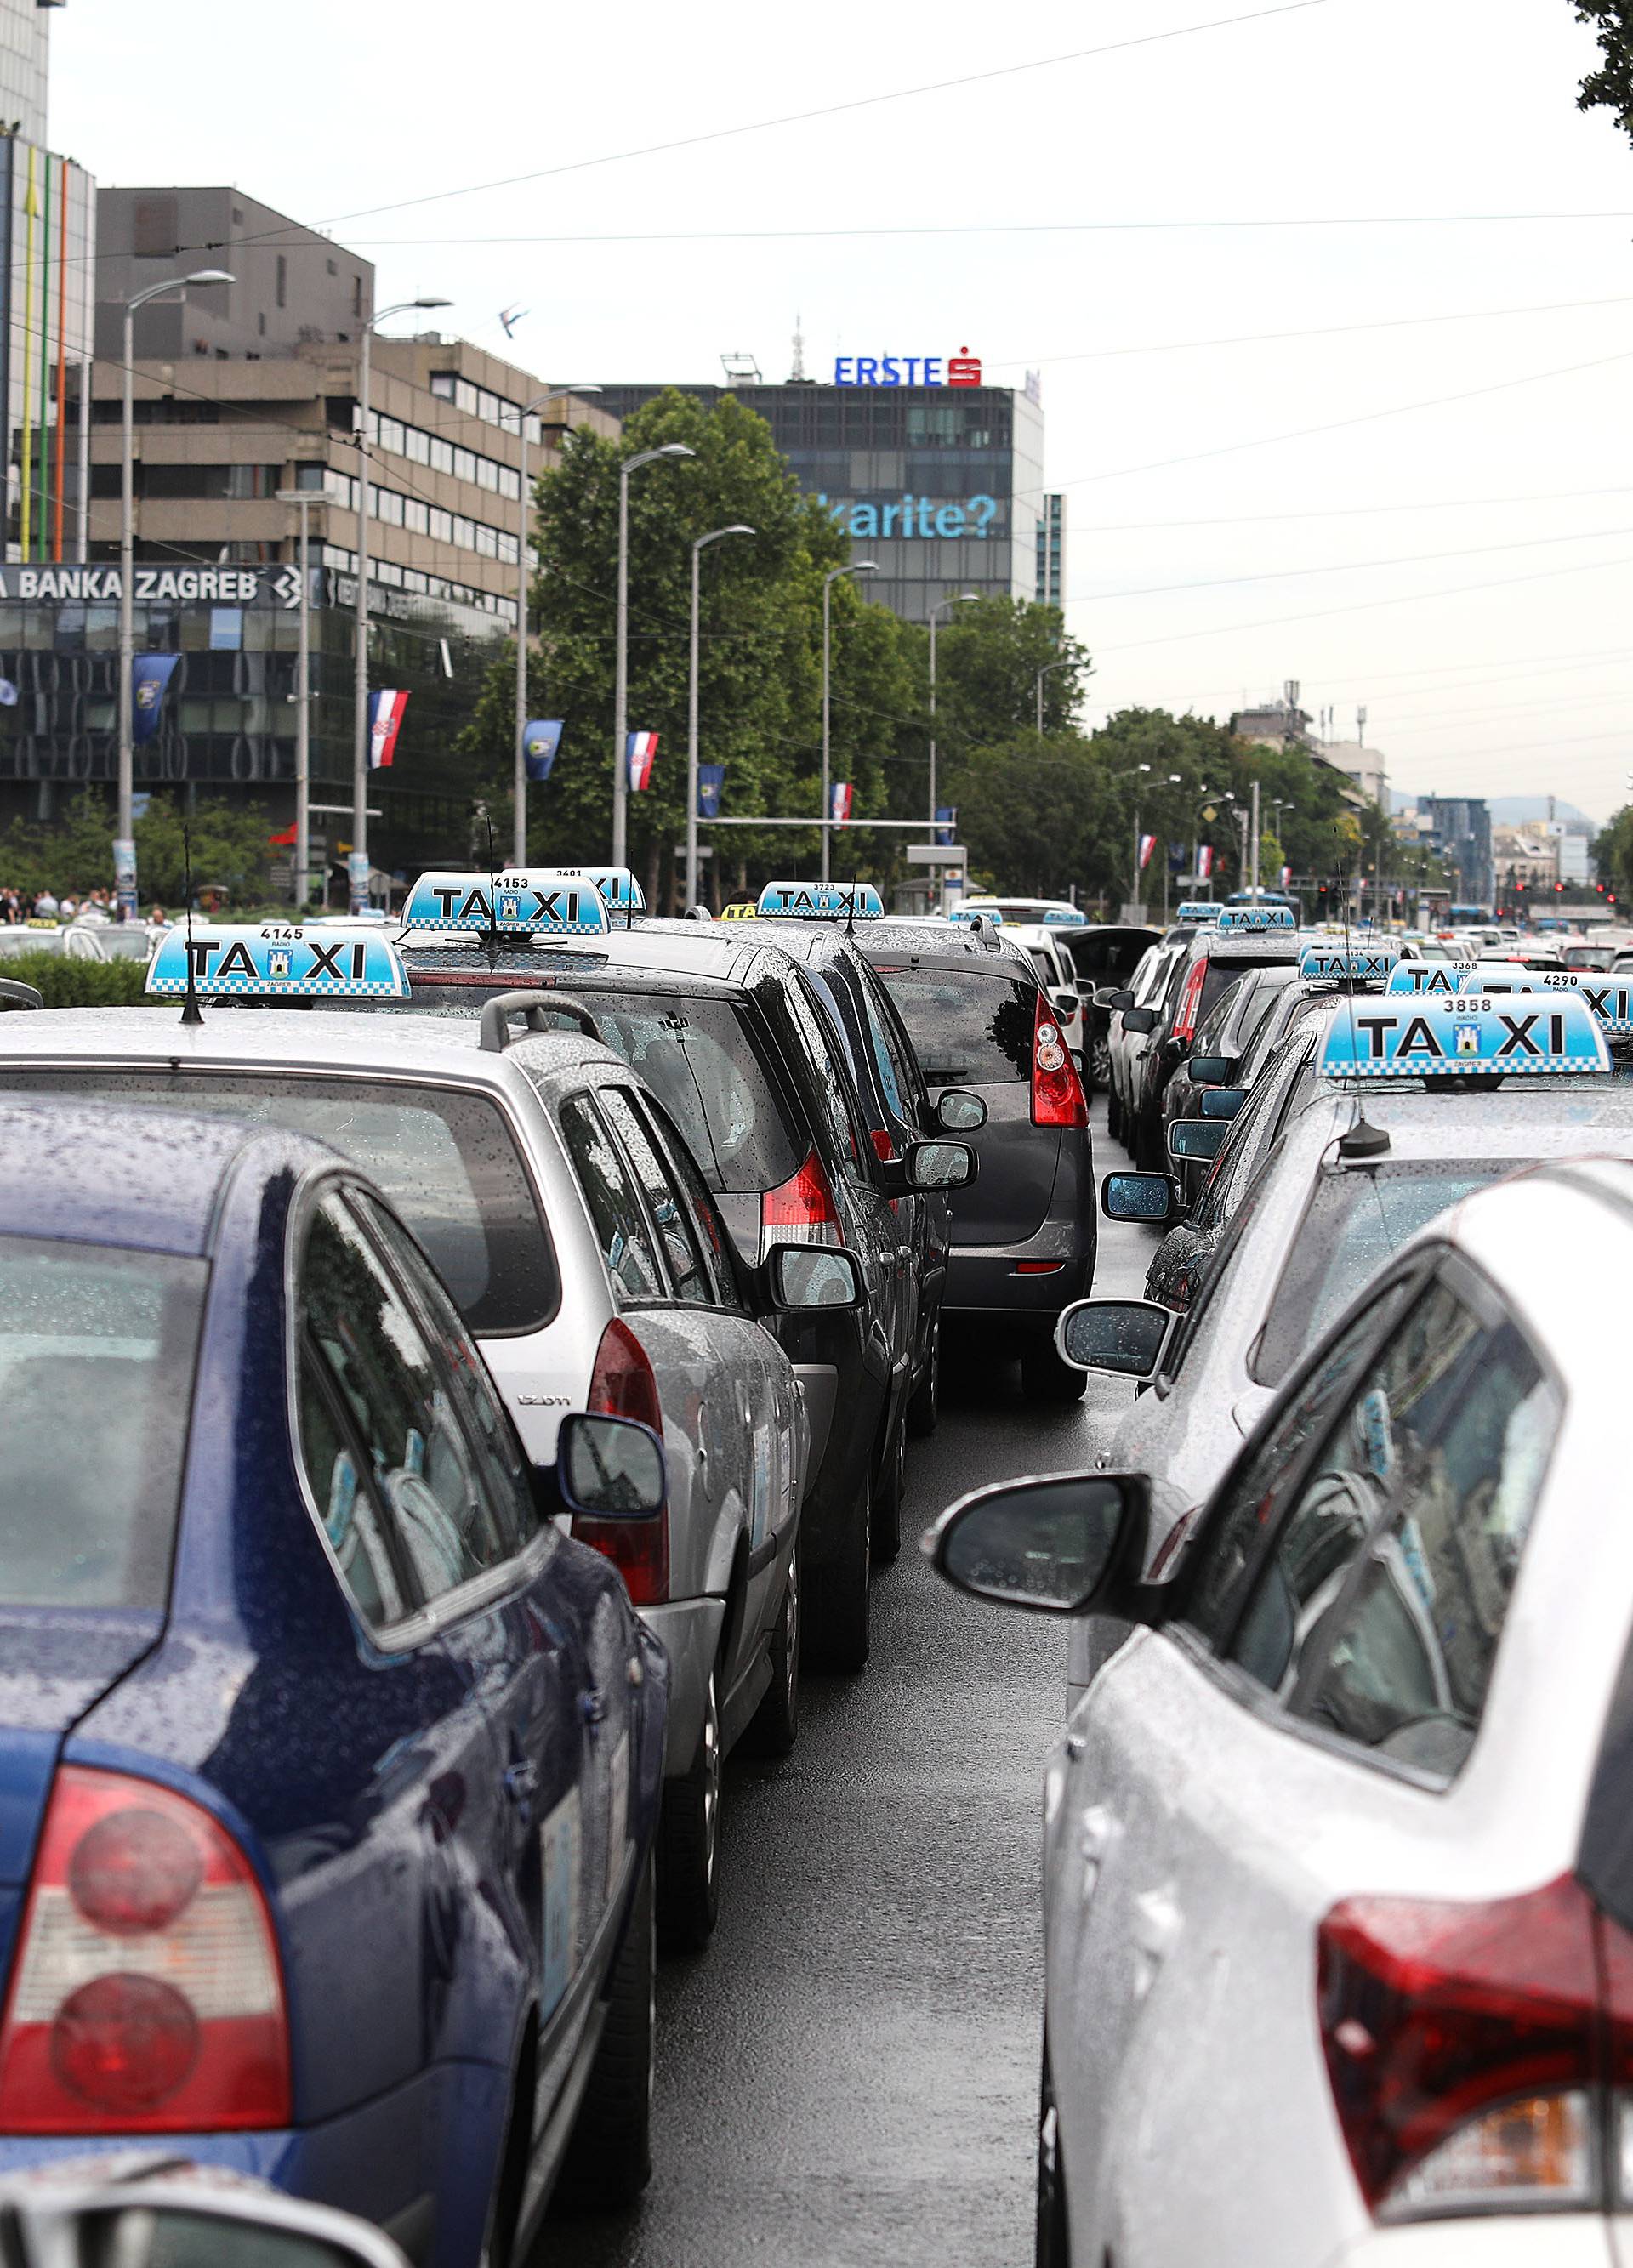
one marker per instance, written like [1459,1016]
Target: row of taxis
[1337,1874]
[466,1369]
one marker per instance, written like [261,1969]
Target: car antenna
[1363,1139]
[850,907]
[191,1012]
[490,935]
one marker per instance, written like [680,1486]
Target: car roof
[147,1180]
[719,950]
[935,944]
[1524,1118]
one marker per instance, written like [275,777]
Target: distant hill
[1518,810]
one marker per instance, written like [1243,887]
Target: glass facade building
[25,57]
[48,262]
[1051,552]
[942,485]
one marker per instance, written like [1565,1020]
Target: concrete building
[1524,856]
[1459,828]
[24,63]
[1051,552]
[1365,769]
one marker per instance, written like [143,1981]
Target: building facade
[1051,552]
[940,484]
[1458,827]
[48,222]
[25,62]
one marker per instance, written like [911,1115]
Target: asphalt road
[849,2074]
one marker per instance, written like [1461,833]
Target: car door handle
[521,1783]
[592,1706]
[904,1252]
[1157,1922]
[1094,1832]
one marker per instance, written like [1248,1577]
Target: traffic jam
[464,1375]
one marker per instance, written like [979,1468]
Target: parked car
[1103,959]
[330,1763]
[1222,1039]
[1048,949]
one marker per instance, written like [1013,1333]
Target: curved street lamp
[621,686]
[835,575]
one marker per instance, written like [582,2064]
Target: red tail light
[801,1211]
[1462,2044]
[1190,1003]
[622,1384]
[1058,1098]
[146,1993]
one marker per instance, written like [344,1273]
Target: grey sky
[1502,664]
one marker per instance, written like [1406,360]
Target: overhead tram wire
[1352,512]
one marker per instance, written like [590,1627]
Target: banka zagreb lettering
[962,369]
[221,586]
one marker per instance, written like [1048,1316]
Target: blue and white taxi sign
[1432,976]
[1608,999]
[520,901]
[617,885]
[274,961]
[1193,910]
[1464,1036]
[1064,918]
[1355,964]
[966,916]
[820,901]
[1257,918]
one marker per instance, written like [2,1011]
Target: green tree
[75,850]
[1613,854]
[1610,87]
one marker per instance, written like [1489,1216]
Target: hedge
[65,983]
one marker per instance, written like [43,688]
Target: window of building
[283,281]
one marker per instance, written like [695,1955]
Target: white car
[1338,1879]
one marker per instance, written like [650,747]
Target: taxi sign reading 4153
[527,902]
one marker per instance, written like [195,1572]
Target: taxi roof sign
[1198,909]
[740,909]
[1462,1035]
[277,961]
[1064,918]
[617,885]
[967,917]
[518,901]
[1239,918]
[1431,977]
[1608,999]
[820,901]
[1354,964]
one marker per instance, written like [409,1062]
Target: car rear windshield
[967,1028]
[1357,1219]
[446,1161]
[97,1348]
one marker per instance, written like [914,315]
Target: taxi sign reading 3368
[1464,1036]
[525,902]
[276,961]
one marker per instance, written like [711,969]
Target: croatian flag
[385,722]
[1148,843]
[841,793]
[1286,877]
[1205,862]
[641,748]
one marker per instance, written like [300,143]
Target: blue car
[329,1763]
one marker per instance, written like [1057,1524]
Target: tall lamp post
[621,686]
[835,575]
[1041,674]
[698,547]
[127,568]
[303,500]
[519,837]
[957,599]
[358,894]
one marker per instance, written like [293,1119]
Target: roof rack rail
[494,1034]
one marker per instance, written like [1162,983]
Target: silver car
[1338,1885]
[564,1213]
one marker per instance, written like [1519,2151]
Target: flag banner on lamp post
[1205,862]
[842,795]
[385,722]
[640,749]
[1286,877]
[539,741]
[711,780]
[8,693]
[949,833]
[1148,843]
[285,839]
[150,675]
[1177,855]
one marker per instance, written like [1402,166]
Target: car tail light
[1190,1003]
[622,1384]
[1463,2047]
[801,1211]
[1058,1098]
[146,1993]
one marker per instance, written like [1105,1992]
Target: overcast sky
[1464,568]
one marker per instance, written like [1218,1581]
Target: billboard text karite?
[962,369]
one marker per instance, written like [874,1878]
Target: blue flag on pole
[150,675]
[711,779]
[540,741]
[945,811]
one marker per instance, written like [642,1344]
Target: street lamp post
[518,833]
[835,575]
[958,598]
[303,499]
[698,547]
[127,575]
[1041,674]
[358,894]
[621,687]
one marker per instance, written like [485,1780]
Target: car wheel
[885,1527]
[1053,2235]
[689,1841]
[924,1411]
[608,2162]
[772,1729]
[837,1596]
[1099,1064]
[1046,1378]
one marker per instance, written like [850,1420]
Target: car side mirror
[939,1166]
[1113,996]
[609,1467]
[1139,1019]
[1127,1337]
[1174,1048]
[1222,1101]
[959,1113]
[1064,1003]
[1211,1070]
[1150,1197]
[801,1277]
[1052,1545]
[15,994]
[1197,1138]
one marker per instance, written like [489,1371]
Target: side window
[625,1240]
[1395,1570]
[835,1100]
[1215,1269]
[707,1227]
[346,1502]
[897,1069]
[686,1270]
[501,1465]
[375,1351]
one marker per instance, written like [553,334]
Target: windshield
[96,1367]
[1357,1219]
[124,941]
[967,1029]
[446,1161]
[31,940]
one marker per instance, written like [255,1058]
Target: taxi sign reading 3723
[280,962]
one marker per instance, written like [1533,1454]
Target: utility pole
[1254,885]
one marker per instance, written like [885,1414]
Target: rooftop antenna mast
[796,376]
[191,1012]
[1362,1139]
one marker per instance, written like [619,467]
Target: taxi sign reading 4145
[278,963]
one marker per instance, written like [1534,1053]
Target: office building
[24,58]
[47,250]
[1459,828]
[1051,590]
[935,476]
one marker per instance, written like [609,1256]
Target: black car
[1161,1033]
[1104,958]
[1223,1037]
[732,1034]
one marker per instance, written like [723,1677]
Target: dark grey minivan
[1024,1232]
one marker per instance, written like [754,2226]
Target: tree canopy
[1610,87]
